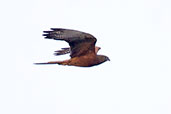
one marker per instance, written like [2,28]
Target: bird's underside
[83,51]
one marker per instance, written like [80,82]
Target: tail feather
[65,62]
[46,63]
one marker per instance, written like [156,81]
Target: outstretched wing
[62,51]
[66,50]
[81,43]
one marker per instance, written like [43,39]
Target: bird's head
[106,58]
[103,58]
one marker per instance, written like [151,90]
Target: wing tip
[55,29]
[46,31]
[46,35]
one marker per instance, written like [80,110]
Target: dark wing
[81,43]
[62,51]
[67,50]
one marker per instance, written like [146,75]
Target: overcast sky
[134,34]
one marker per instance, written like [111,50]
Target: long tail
[51,62]
[65,62]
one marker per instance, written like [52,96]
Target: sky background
[134,34]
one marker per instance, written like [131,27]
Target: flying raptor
[83,51]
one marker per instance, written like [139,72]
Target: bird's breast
[84,61]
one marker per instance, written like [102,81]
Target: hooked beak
[108,59]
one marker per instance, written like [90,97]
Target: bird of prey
[83,51]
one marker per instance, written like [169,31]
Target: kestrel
[83,51]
